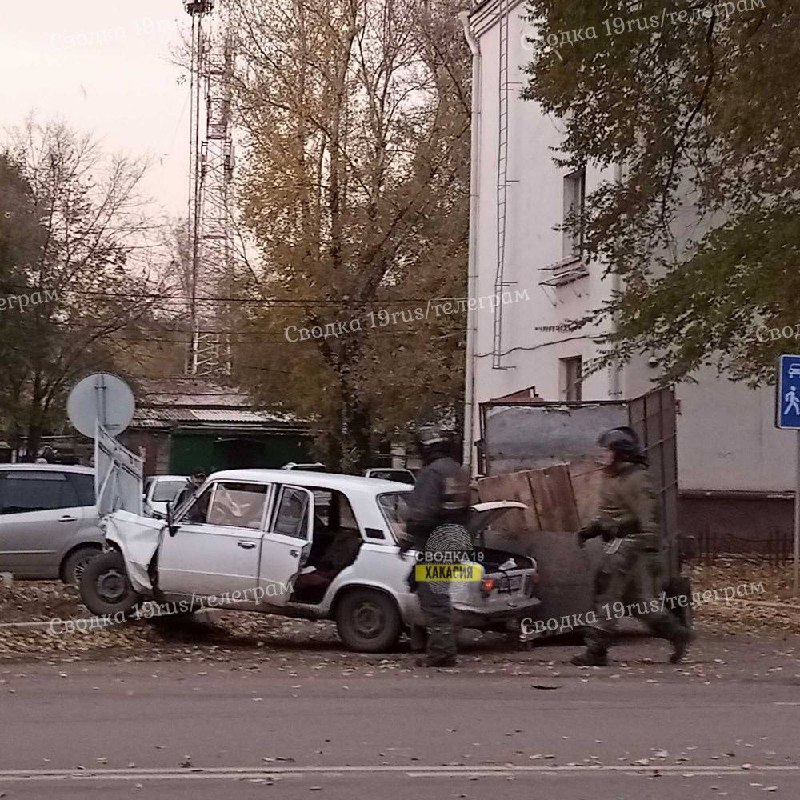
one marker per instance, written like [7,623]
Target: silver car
[48,521]
[299,544]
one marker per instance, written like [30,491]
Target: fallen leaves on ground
[217,636]
[775,610]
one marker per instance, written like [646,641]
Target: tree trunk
[34,440]
[360,425]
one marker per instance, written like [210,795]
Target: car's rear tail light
[487,585]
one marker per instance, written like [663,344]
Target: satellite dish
[102,399]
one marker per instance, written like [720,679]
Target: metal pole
[470,420]
[100,399]
[796,581]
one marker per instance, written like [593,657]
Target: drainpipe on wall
[472,319]
[615,370]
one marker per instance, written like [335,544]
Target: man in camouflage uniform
[436,516]
[628,582]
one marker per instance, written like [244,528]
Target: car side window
[84,486]
[332,513]
[235,505]
[26,491]
[291,516]
[238,505]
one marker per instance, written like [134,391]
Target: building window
[571,379]
[574,208]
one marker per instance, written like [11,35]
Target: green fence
[211,452]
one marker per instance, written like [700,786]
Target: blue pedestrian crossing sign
[787,399]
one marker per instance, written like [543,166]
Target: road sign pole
[796,581]
[787,417]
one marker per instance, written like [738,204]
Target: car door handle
[247,545]
[67,518]
[294,553]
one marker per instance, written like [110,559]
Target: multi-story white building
[735,468]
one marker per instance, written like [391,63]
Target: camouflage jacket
[627,505]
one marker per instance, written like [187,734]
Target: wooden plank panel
[586,476]
[554,499]
[490,489]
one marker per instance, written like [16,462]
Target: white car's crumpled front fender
[138,539]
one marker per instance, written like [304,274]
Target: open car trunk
[494,559]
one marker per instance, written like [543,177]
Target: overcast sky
[103,66]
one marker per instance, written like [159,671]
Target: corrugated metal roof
[169,402]
[167,417]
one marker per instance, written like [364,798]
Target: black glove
[405,543]
[590,531]
[411,580]
[629,528]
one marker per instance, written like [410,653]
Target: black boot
[680,644]
[590,658]
[417,639]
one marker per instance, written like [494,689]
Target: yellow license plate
[426,573]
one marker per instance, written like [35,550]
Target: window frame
[390,522]
[571,390]
[277,498]
[212,488]
[574,205]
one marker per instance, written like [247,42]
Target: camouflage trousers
[434,600]
[628,585]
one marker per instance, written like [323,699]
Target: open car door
[286,544]
[216,544]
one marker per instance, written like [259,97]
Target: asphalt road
[726,724]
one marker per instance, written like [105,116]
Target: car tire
[105,587]
[75,563]
[368,621]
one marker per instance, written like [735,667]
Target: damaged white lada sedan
[300,544]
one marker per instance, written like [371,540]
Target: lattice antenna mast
[212,163]
[504,87]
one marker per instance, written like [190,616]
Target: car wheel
[75,563]
[105,587]
[368,621]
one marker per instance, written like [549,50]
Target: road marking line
[245,773]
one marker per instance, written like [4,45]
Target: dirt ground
[773,614]
[774,611]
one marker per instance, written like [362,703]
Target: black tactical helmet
[432,441]
[429,435]
[623,442]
